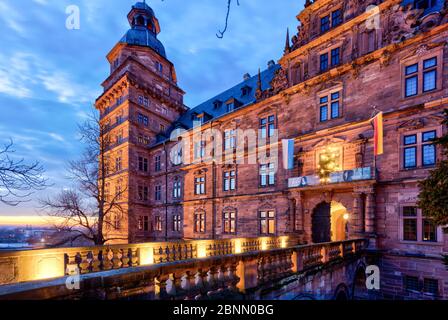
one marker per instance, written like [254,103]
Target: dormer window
[245,91]
[230,106]
[217,104]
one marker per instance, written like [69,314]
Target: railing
[22,266]
[182,270]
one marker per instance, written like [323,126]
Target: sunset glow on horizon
[36,221]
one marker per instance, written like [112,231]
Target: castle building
[350,61]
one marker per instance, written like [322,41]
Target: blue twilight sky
[50,76]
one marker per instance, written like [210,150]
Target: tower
[140,101]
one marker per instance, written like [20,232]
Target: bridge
[237,269]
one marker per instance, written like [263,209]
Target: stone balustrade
[30,265]
[178,270]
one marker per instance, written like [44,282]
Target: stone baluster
[160,285]
[126,257]
[135,253]
[96,262]
[107,259]
[116,258]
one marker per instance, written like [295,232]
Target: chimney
[271,63]
[246,76]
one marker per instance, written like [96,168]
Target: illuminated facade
[349,60]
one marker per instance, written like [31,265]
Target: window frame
[229,178]
[419,219]
[177,221]
[200,222]
[420,61]
[269,173]
[201,182]
[229,222]
[419,146]
[326,102]
[268,221]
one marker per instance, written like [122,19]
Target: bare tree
[88,209]
[18,180]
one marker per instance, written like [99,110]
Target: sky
[50,76]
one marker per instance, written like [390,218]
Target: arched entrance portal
[329,222]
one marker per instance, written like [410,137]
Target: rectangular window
[118,163]
[411,283]
[142,164]
[335,57]
[230,139]
[330,107]
[199,150]
[143,193]
[324,62]
[199,185]
[142,119]
[145,223]
[267,175]
[229,222]
[428,148]
[430,74]
[158,224]
[158,163]
[431,286]
[411,80]
[229,180]
[410,151]
[410,223]
[325,24]
[267,127]
[230,107]
[267,222]
[429,230]
[336,18]
[177,189]
[158,193]
[176,223]
[199,222]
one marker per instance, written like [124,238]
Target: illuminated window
[158,224]
[267,222]
[229,222]
[199,222]
[418,227]
[176,223]
[177,189]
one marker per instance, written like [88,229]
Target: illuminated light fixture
[49,267]
[284,241]
[202,250]
[346,216]
[238,246]
[146,256]
[264,244]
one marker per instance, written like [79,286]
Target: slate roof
[209,107]
[141,36]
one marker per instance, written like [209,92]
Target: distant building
[349,61]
